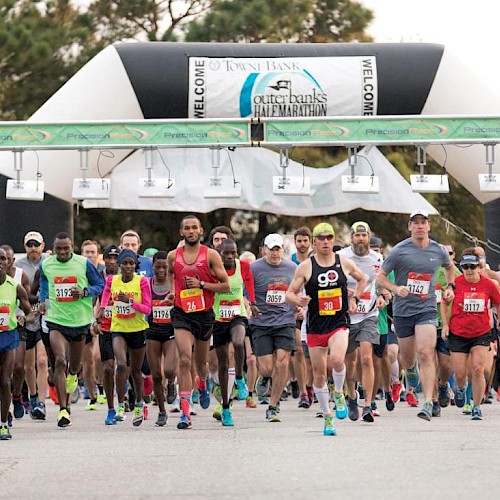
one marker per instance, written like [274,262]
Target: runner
[231,324]
[415,262]
[161,350]
[131,298]
[10,293]
[324,277]
[195,274]
[69,282]
[302,239]
[130,240]
[468,330]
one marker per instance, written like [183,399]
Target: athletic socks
[338,379]
[185,401]
[323,395]
[395,372]
[231,376]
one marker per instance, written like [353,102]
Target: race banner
[282,87]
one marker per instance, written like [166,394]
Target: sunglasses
[33,244]
[323,237]
[469,266]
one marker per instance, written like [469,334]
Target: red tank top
[199,269]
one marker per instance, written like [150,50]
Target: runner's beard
[361,249]
[192,243]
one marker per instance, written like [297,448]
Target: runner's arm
[217,267]
[247,276]
[144,306]
[300,278]
[96,283]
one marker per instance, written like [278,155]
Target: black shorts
[88,338]
[268,339]
[379,349]
[167,334]
[32,339]
[23,333]
[456,343]
[70,333]
[200,324]
[222,330]
[46,339]
[134,340]
[442,346]
[106,346]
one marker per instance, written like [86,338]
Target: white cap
[422,213]
[273,240]
[33,236]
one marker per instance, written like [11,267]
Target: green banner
[391,130]
[141,134]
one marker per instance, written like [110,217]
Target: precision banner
[282,87]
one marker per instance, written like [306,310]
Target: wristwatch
[202,285]
[357,299]
[452,285]
[85,292]
[130,302]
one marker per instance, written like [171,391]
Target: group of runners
[338,325]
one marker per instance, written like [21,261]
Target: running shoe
[304,401]
[53,394]
[161,421]
[331,390]
[71,383]
[389,401]
[361,396]
[402,397]
[9,419]
[250,403]
[443,395]
[329,428]
[111,418]
[263,400]
[227,418]
[171,392]
[101,399]
[5,434]
[411,399]
[91,406]
[367,414]
[262,386]
[63,419]
[217,392]
[310,395]
[192,409]
[147,384]
[413,376]
[195,397]
[242,389]
[120,414]
[217,414]
[374,408]
[272,414]
[319,414]
[145,410]
[396,392]
[340,406]
[295,389]
[467,409]
[138,415]
[436,409]
[460,396]
[426,412]
[284,395]
[476,413]
[185,422]
[75,396]
[204,394]
[39,412]
[353,409]
[18,407]
[176,405]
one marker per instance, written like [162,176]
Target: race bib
[34,308]
[108,312]
[229,309]
[439,293]
[275,294]
[474,302]
[63,286]
[419,284]
[364,304]
[329,301]
[4,318]
[192,300]
[123,310]
[161,312]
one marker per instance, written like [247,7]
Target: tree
[282,21]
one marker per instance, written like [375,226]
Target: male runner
[131,240]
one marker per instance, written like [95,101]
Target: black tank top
[329,303]
[159,320]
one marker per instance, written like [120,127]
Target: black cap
[111,250]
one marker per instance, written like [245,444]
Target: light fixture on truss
[89,188]
[426,183]
[18,189]
[287,185]
[490,182]
[363,184]
[221,186]
[155,187]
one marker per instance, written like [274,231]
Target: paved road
[398,456]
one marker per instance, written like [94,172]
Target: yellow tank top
[124,317]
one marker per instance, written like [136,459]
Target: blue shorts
[9,340]
[442,345]
[405,325]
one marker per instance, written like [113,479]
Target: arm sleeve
[144,307]
[247,276]
[96,284]
[44,286]
[107,292]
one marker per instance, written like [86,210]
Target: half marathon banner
[282,87]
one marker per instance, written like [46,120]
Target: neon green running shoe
[329,428]
[101,399]
[5,434]
[71,383]
[217,414]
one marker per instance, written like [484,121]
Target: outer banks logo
[290,93]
